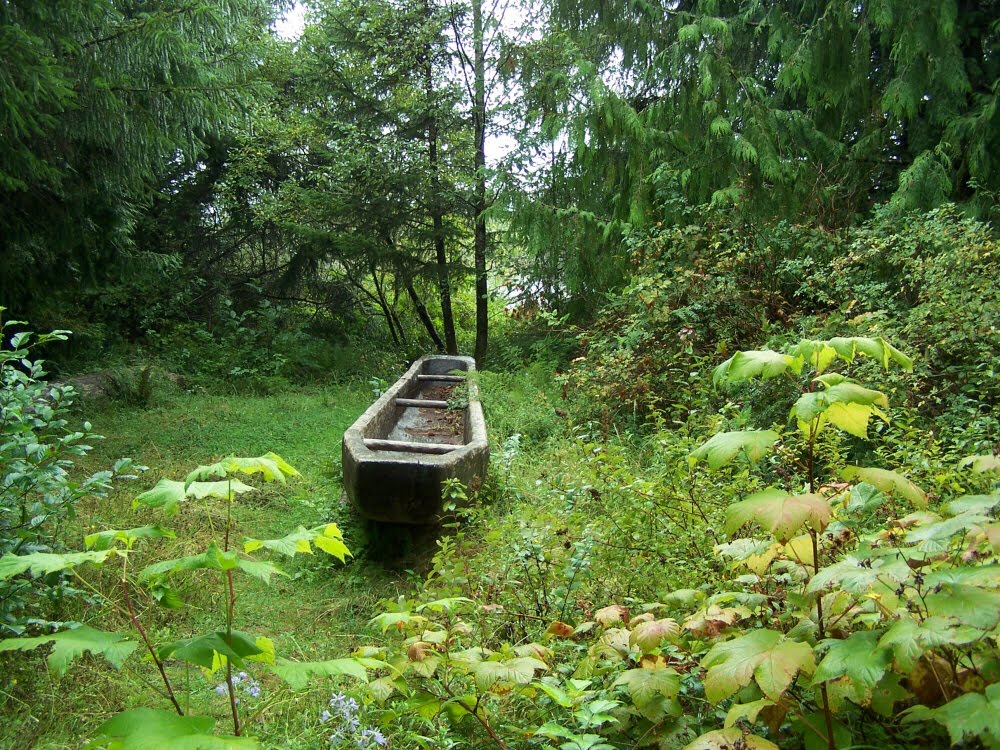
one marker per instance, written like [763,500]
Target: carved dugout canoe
[399,452]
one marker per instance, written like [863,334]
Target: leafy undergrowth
[719,581]
[320,609]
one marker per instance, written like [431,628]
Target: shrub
[38,488]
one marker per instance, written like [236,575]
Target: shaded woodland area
[730,272]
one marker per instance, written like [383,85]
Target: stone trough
[428,427]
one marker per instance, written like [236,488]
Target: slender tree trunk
[437,214]
[479,204]
[425,318]
[383,303]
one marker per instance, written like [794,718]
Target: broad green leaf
[971,503]
[859,658]
[43,563]
[167,494]
[67,645]
[212,559]
[746,711]
[981,464]
[859,573]
[763,655]
[845,405]
[271,466]
[559,696]
[448,604]
[201,649]
[727,739]
[298,673]
[519,671]
[888,482]
[969,717]
[818,354]
[398,620]
[909,639]
[225,490]
[154,729]
[554,731]
[102,540]
[327,537]
[647,686]
[879,349]
[968,605]
[722,448]
[745,365]
[778,512]
[945,529]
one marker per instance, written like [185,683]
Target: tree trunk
[437,214]
[425,318]
[479,203]
[399,337]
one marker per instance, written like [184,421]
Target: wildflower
[379,739]
[220,689]
[325,716]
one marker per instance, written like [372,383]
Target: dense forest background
[604,202]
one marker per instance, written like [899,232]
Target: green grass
[318,612]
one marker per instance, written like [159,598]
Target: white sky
[290,27]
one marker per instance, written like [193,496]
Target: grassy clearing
[321,610]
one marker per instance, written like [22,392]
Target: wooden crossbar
[400,445]
[445,378]
[422,403]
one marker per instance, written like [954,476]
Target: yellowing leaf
[723,448]
[981,464]
[800,549]
[648,635]
[780,666]
[727,739]
[326,537]
[779,513]
[610,615]
[763,655]
[888,482]
[818,354]
[846,405]
[745,365]
[747,711]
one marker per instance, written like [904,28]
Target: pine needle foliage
[99,97]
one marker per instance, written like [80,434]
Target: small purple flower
[380,739]
[220,689]
[254,690]
[325,716]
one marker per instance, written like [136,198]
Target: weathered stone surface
[394,486]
